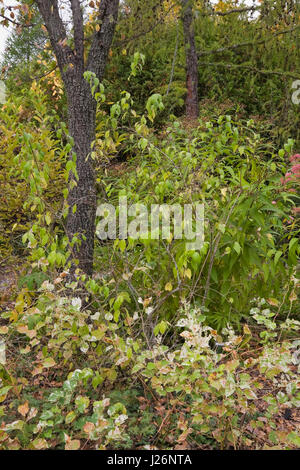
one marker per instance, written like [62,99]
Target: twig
[248,43]
[174,62]
[229,12]
[16,23]
[248,67]
[143,33]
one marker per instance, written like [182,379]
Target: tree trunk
[81,109]
[192,101]
[83,198]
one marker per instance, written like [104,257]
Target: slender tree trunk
[192,101]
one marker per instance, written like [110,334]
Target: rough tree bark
[81,109]
[192,101]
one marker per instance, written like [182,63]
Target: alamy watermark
[2,92]
[2,352]
[296,94]
[164,221]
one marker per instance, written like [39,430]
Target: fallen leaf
[23,409]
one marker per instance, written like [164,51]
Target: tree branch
[78,31]
[248,67]
[229,12]
[174,61]
[57,33]
[101,42]
[16,23]
[248,43]
[147,31]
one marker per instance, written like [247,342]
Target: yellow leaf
[72,445]
[49,362]
[40,444]
[23,329]
[247,330]
[168,286]
[23,409]
[188,273]
[146,302]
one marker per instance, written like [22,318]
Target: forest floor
[287,420]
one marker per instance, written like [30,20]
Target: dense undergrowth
[163,346]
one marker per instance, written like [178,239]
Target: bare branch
[16,23]
[174,62]
[229,12]
[147,31]
[248,43]
[78,30]
[101,42]
[249,67]
[57,32]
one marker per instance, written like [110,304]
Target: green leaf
[70,417]
[49,362]
[277,256]
[237,247]
[82,403]
[294,437]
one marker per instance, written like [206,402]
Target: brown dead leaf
[23,409]
[88,427]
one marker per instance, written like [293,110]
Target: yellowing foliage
[20,115]
[173,11]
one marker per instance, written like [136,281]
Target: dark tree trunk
[192,101]
[81,110]
[81,123]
